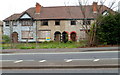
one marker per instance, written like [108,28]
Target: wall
[18,29]
[64,26]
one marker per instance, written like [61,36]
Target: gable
[25,16]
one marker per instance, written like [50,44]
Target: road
[60,55]
[103,70]
[79,61]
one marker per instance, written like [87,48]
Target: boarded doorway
[73,36]
[15,37]
[64,37]
[57,36]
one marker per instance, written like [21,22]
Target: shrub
[45,42]
[51,41]
[70,42]
[5,39]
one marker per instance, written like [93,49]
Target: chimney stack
[95,7]
[38,8]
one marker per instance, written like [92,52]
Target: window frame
[44,23]
[14,23]
[42,34]
[7,23]
[26,23]
[57,22]
[26,34]
[86,22]
[73,22]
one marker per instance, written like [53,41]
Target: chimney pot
[38,8]
[95,4]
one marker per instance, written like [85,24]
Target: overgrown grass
[44,45]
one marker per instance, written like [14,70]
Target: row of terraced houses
[60,23]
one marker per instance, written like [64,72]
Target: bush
[45,42]
[5,39]
[51,41]
[70,41]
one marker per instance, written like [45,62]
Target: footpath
[60,50]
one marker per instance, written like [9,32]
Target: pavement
[59,50]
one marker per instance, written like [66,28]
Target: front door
[15,37]
[73,36]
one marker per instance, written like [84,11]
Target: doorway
[15,37]
[57,36]
[64,37]
[73,36]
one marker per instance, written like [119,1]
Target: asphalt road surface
[60,59]
[65,62]
[60,56]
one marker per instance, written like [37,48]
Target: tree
[109,30]
[91,36]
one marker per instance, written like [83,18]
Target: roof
[59,12]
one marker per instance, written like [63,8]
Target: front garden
[43,45]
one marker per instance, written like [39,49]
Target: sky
[9,7]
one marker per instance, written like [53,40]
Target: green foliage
[109,30]
[70,41]
[45,45]
[25,47]
[5,39]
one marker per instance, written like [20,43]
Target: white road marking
[18,61]
[65,60]
[95,60]
[69,60]
[42,61]
[14,60]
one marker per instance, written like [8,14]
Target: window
[73,22]
[86,22]
[7,23]
[57,22]
[15,23]
[43,34]
[26,23]
[27,35]
[44,23]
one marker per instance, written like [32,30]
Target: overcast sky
[9,7]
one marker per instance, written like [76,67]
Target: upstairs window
[44,23]
[7,23]
[57,22]
[86,22]
[15,23]
[26,23]
[73,22]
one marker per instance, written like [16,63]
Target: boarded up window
[44,23]
[7,23]
[14,23]
[43,34]
[86,22]
[73,22]
[27,35]
[26,23]
[57,22]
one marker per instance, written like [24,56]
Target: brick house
[61,23]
